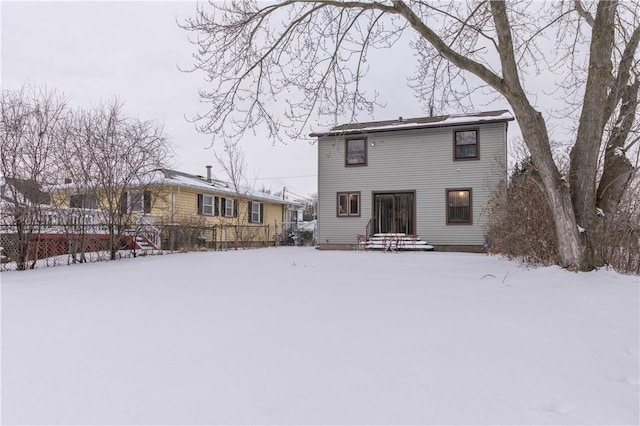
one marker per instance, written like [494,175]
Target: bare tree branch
[584,13]
[459,60]
[313,55]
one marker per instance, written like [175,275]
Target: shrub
[520,221]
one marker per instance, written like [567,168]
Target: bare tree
[313,55]
[232,160]
[113,158]
[623,248]
[30,124]
[310,205]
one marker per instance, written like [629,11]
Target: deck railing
[367,229]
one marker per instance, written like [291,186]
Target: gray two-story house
[429,176]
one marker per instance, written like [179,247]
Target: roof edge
[388,126]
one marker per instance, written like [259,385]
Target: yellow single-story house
[182,205]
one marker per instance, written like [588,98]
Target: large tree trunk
[535,135]
[618,170]
[21,251]
[572,204]
[531,123]
[113,245]
[585,152]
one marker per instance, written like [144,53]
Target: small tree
[115,158]
[233,162]
[31,123]
[520,222]
[623,235]
[185,234]
[310,207]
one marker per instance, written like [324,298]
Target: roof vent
[209,174]
[400,119]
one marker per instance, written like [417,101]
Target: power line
[286,177]
[306,197]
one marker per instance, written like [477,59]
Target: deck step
[394,242]
[140,241]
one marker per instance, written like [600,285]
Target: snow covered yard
[299,336]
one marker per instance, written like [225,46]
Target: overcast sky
[95,51]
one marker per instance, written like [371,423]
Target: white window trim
[229,207]
[255,205]
[206,204]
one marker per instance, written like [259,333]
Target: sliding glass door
[394,212]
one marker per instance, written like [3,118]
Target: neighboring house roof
[418,123]
[186,180]
[176,178]
[24,191]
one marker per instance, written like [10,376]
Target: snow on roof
[174,177]
[418,123]
[186,180]
[26,190]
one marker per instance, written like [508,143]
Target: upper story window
[465,145]
[459,206]
[356,152]
[349,204]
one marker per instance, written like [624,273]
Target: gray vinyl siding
[411,160]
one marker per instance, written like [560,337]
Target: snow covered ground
[299,336]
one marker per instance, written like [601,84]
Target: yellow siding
[179,205]
[59,199]
[273,213]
